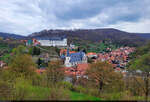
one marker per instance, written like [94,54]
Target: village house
[40,71]
[91,55]
[2,64]
[72,46]
[64,52]
[29,42]
[35,42]
[79,70]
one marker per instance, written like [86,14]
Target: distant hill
[144,35]
[95,35]
[8,35]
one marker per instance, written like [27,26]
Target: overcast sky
[27,16]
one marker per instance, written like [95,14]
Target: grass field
[80,96]
[38,93]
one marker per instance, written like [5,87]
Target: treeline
[97,47]
[6,48]
[139,69]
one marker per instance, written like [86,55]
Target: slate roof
[50,38]
[76,57]
[62,56]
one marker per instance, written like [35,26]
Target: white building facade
[54,41]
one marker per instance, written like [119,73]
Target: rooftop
[50,38]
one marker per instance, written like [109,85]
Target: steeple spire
[67,50]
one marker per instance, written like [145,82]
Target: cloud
[141,26]
[27,16]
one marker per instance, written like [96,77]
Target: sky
[28,16]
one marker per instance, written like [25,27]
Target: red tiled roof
[40,71]
[81,68]
[118,69]
[120,54]
[65,51]
[91,53]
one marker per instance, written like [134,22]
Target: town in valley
[75,60]
[75,50]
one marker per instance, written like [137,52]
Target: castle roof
[51,38]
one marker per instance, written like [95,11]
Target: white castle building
[53,41]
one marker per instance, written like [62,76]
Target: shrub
[126,95]
[79,89]
[66,85]
[5,90]
[59,94]
[115,96]
[93,92]
[21,91]
[37,80]
[111,96]
[24,90]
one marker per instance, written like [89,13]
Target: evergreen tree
[84,50]
[36,51]
[78,49]
[39,62]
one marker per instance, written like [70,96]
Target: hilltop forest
[118,37]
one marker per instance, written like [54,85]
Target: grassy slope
[38,93]
[80,96]
[42,93]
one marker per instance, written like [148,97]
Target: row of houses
[119,57]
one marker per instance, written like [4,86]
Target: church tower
[67,60]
